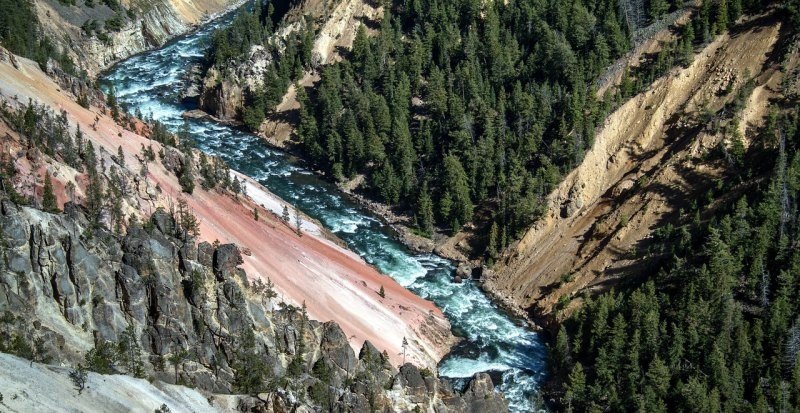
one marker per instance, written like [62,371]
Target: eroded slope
[648,156]
[335,283]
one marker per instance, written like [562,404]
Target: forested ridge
[453,104]
[715,325]
[717,328]
[466,109]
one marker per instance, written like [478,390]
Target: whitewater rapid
[493,341]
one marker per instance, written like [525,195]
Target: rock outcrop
[71,287]
[223,89]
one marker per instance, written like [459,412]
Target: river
[493,340]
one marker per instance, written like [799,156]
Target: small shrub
[78,377]
[623,220]
[567,277]
[563,302]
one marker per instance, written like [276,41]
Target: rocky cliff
[98,34]
[70,290]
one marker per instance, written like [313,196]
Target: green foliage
[458,104]
[177,358]
[455,205]
[8,172]
[236,39]
[714,326]
[657,8]
[102,358]
[321,392]
[49,202]
[130,353]
[115,23]
[20,34]
[111,100]
[186,180]
[250,370]
[22,345]
[793,7]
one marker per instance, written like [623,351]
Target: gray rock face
[221,97]
[226,258]
[66,293]
[173,160]
[479,395]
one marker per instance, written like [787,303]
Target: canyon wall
[66,292]
[223,89]
[313,267]
[149,24]
[647,160]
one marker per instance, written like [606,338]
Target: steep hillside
[30,386]
[335,283]
[101,33]
[648,160]
[331,27]
[153,304]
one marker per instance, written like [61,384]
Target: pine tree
[658,8]
[721,18]
[492,246]
[425,211]
[456,204]
[120,156]
[286,217]
[177,358]
[49,202]
[576,388]
[687,45]
[112,103]
[298,221]
[130,353]
[560,353]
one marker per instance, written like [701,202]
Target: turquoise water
[494,342]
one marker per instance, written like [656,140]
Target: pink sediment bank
[334,283]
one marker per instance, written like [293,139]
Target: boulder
[205,254]
[172,160]
[481,397]
[226,258]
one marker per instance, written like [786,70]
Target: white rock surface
[37,387]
